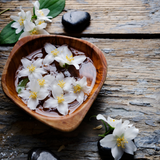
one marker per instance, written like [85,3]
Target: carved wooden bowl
[29,44]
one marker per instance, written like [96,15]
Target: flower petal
[42,31]
[42,94]
[26,62]
[38,62]
[56,91]
[59,76]
[48,59]
[131,133]
[50,103]
[69,97]
[80,97]
[101,117]
[108,141]
[63,108]
[24,34]
[79,59]
[45,11]
[130,147]
[117,152]
[49,47]
[15,18]
[36,4]
[32,103]
[23,73]
[24,94]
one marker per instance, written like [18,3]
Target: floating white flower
[32,69]
[52,53]
[61,83]
[60,101]
[41,13]
[112,122]
[31,29]
[33,94]
[121,140]
[19,20]
[79,88]
[67,58]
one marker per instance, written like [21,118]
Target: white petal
[131,133]
[38,62]
[56,91]
[45,11]
[119,130]
[80,97]
[50,103]
[49,47]
[32,103]
[48,59]
[41,26]
[68,98]
[26,62]
[23,73]
[34,86]
[79,59]
[15,25]
[108,141]
[24,34]
[42,94]
[15,18]
[101,117]
[28,15]
[36,4]
[40,71]
[63,108]
[28,25]
[59,76]
[130,147]
[76,65]
[117,152]
[24,94]
[42,31]
[18,30]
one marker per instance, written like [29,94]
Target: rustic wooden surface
[131,90]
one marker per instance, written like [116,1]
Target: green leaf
[22,84]
[55,6]
[8,34]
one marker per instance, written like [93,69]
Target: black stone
[41,153]
[105,153]
[76,20]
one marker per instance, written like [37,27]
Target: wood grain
[130,92]
[30,44]
[107,17]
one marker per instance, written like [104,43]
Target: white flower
[52,53]
[79,88]
[60,101]
[41,13]
[112,122]
[121,140]
[19,20]
[61,83]
[33,94]
[31,29]
[31,69]
[67,58]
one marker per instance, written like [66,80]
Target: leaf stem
[4,10]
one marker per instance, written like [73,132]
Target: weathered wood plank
[118,16]
[130,92]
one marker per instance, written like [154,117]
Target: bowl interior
[30,44]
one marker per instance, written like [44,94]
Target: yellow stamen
[41,82]
[31,68]
[112,120]
[121,142]
[69,58]
[55,52]
[33,95]
[77,88]
[41,12]
[60,99]
[33,32]
[21,21]
[61,83]
[40,22]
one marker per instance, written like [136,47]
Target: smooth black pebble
[105,153]
[76,20]
[41,154]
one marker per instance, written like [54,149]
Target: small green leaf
[8,34]
[55,6]
[22,84]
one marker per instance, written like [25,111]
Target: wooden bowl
[29,44]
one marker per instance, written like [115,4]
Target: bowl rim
[27,39]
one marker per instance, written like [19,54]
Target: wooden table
[128,32]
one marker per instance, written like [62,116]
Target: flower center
[61,83]
[34,31]
[69,58]
[40,22]
[121,142]
[112,120]
[41,13]
[21,21]
[60,99]
[31,68]
[77,88]
[54,52]
[41,82]
[33,95]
